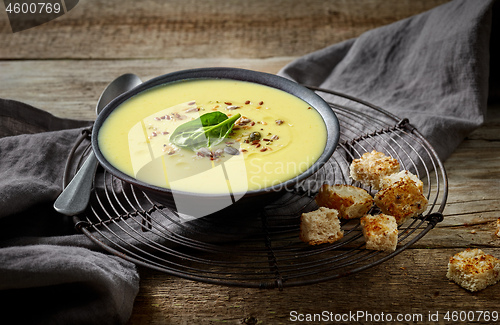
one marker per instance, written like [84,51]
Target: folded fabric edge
[40,120]
[112,281]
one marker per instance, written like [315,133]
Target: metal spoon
[75,197]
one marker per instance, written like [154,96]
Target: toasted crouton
[380,232]
[350,201]
[372,167]
[320,226]
[402,200]
[473,269]
[402,175]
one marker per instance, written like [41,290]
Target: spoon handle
[75,197]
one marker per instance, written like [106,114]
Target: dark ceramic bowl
[199,205]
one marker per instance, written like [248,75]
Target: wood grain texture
[201,29]
[405,284]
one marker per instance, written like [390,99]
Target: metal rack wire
[263,250]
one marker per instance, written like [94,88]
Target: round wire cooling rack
[263,250]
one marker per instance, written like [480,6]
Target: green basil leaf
[208,130]
[212,118]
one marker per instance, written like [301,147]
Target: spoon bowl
[75,197]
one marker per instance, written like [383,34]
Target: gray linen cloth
[48,274]
[431,68]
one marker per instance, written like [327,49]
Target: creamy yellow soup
[276,137]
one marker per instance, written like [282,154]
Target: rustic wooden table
[62,67]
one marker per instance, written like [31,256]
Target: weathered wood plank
[201,29]
[405,284]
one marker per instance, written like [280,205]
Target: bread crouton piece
[320,226]
[473,269]
[380,232]
[402,175]
[372,167]
[402,200]
[350,201]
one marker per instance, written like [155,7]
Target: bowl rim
[314,100]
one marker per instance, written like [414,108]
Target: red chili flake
[167,117]
[255,141]
[228,103]
[247,102]
[309,107]
[244,150]
[263,149]
[261,103]
[266,139]
[257,145]
[164,132]
[157,118]
[252,124]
